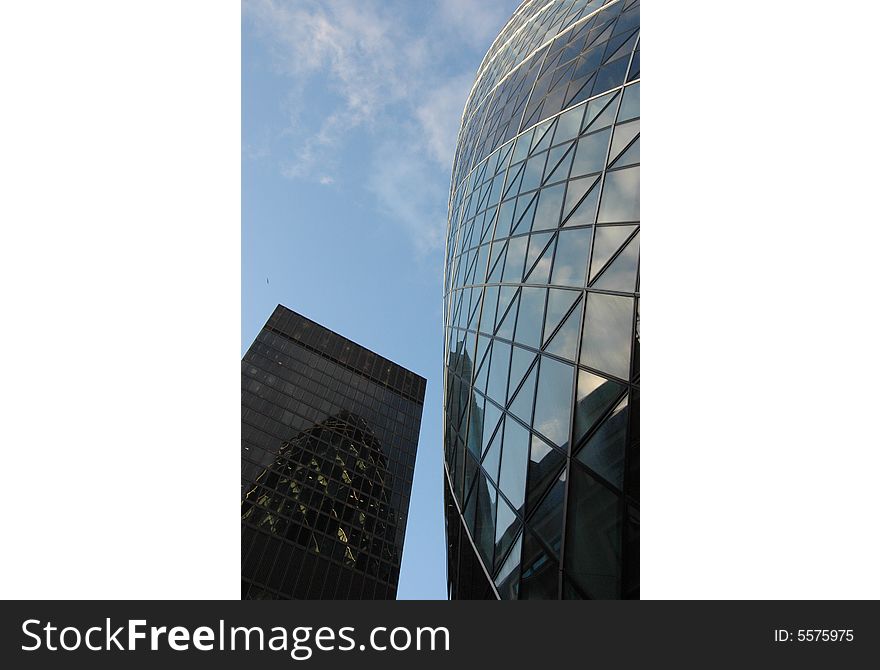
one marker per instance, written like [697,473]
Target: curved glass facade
[541,305]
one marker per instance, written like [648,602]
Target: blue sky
[350,111]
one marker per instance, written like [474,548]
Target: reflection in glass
[553,400]
[620,196]
[607,334]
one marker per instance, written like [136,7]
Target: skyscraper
[329,432]
[541,305]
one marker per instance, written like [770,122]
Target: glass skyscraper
[329,432]
[541,311]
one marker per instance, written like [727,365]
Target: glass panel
[534,171]
[543,134]
[607,334]
[629,157]
[565,341]
[540,573]
[559,301]
[569,124]
[590,154]
[497,387]
[531,317]
[540,272]
[600,112]
[621,274]
[516,252]
[484,518]
[623,135]
[505,217]
[585,213]
[612,74]
[620,196]
[508,577]
[594,396]
[608,241]
[558,163]
[592,549]
[506,528]
[629,108]
[549,207]
[544,465]
[553,400]
[524,398]
[547,519]
[493,454]
[520,362]
[604,451]
[525,212]
[491,420]
[490,304]
[514,462]
[572,252]
[537,244]
[575,192]
[522,147]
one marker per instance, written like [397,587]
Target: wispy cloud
[395,72]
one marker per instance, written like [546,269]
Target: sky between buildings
[350,111]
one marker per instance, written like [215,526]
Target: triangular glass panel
[553,401]
[514,177]
[620,275]
[520,363]
[496,259]
[505,217]
[585,213]
[565,342]
[506,295]
[539,271]
[629,157]
[577,188]
[490,304]
[522,401]
[545,462]
[524,220]
[576,95]
[572,254]
[546,520]
[516,252]
[606,243]
[539,577]
[521,149]
[482,375]
[558,163]
[514,462]
[492,457]
[505,330]
[623,135]
[600,112]
[620,45]
[569,125]
[507,580]
[604,451]
[545,133]
[506,528]
[559,302]
[491,421]
[634,68]
[629,107]
[534,172]
[595,395]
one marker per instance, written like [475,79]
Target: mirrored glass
[595,395]
[553,400]
[607,334]
[620,196]
[592,547]
[604,451]
[572,252]
[514,462]
[549,207]
[531,317]
[590,154]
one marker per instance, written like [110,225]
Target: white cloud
[397,82]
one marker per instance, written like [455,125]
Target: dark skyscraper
[329,433]
[541,313]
